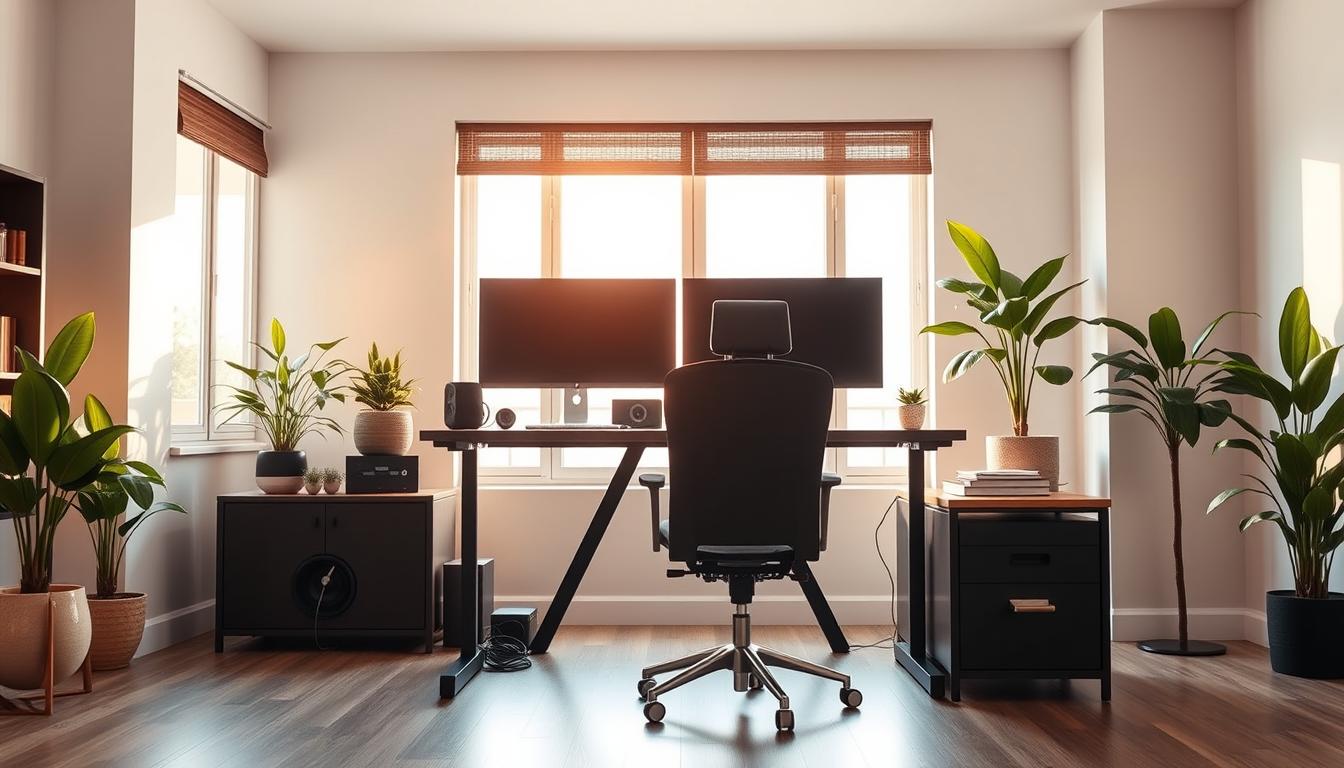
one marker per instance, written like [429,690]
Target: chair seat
[728,553]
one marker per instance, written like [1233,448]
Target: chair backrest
[746,440]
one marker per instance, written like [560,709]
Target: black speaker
[518,623]
[641,414]
[506,418]
[463,407]
[452,599]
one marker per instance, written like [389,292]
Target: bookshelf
[23,287]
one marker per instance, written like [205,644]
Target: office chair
[746,437]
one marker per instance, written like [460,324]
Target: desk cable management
[887,643]
[505,653]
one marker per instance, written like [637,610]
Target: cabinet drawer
[1029,565]
[995,637]
[1033,530]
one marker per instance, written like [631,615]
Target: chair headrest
[750,327]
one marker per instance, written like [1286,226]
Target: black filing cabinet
[380,553]
[1019,589]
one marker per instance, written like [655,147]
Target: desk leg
[821,609]
[912,653]
[470,660]
[587,548]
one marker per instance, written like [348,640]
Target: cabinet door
[263,545]
[384,543]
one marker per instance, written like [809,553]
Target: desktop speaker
[641,414]
[506,418]
[382,474]
[463,407]
[452,599]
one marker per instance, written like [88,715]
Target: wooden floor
[262,705]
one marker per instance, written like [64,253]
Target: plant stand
[1191,648]
[25,705]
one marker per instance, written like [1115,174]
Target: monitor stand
[576,405]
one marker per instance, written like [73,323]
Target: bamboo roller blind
[694,149]
[212,125]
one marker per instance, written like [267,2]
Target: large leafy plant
[1175,390]
[1013,314]
[1298,452]
[104,507]
[47,457]
[288,397]
[380,385]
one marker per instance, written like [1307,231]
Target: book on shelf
[998,474]
[7,341]
[959,489]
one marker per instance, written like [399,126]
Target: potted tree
[46,459]
[287,399]
[1300,488]
[1174,390]
[1012,312]
[118,617]
[383,427]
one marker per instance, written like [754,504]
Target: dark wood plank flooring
[262,704]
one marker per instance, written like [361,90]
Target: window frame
[207,432]
[694,264]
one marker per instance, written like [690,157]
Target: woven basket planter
[118,626]
[384,433]
[1038,452]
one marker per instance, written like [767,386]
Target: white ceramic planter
[23,634]
[1038,452]
[384,433]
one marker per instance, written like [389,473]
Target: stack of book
[998,482]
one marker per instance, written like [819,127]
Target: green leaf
[1115,408]
[18,495]
[1040,279]
[977,290]
[326,346]
[1056,328]
[1314,384]
[1055,374]
[277,336]
[1007,315]
[1185,395]
[71,347]
[130,525]
[961,363]
[13,454]
[1296,464]
[1184,417]
[1295,333]
[948,328]
[251,373]
[977,252]
[1240,443]
[29,363]
[1165,330]
[1009,284]
[1214,412]
[36,411]
[1258,517]
[138,488]
[148,471]
[1209,329]
[1037,314]
[1318,505]
[1133,333]
[1226,496]
[73,461]
[1332,423]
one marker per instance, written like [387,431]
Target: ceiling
[510,25]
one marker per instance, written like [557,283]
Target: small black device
[382,474]
[452,599]
[506,418]
[644,413]
[517,623]
[464,406]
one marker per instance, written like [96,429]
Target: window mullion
[208,297]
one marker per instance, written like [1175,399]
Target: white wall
[358,237]
[1291,119]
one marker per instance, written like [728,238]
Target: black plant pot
[1306,635]
[281,471]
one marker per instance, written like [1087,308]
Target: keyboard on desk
[577,426]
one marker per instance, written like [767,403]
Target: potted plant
[913,406]
[118,617]
[1301,491]
[331,480]
[45,461]
[312,481]
[1157,379]
[287,399]
[1012,312]
[383,427]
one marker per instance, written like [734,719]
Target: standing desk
[911,653]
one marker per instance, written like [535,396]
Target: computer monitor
[836,321]
[577,332]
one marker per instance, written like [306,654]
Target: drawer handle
[1029,558]
[1031,605]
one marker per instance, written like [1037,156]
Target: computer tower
[452,600]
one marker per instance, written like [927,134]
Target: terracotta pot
[384,433]
[281,471]
[332,487]
[312,488]
[912,416]
[23,634]
[1038,452]
[118,626]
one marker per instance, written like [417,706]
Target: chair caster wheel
[754,683]
[644,686]
[654,711]
[784,720]
[851,698]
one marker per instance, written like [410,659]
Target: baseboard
[1204,623]
[1254,627]
[705,609]
[175,626]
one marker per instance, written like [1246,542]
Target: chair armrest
[654,482]
[828,481]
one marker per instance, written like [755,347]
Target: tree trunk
[1181,618]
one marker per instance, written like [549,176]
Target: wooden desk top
[332,498]
[653,438]
[1057,500]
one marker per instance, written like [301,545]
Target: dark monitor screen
[836,322]
[562,332]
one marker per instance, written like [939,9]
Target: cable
[505,653]
[317,613]
[887,643]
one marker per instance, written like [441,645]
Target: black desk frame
[910,654]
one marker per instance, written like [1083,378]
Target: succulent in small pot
[383,427]
[312,481]
[331,479]
[286,401]
[913,408]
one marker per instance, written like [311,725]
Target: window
[214,233]
[714,226]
